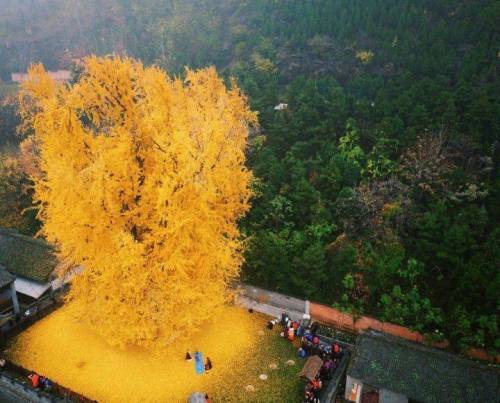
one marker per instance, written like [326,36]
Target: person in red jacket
[35,379]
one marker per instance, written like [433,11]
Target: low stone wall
[273,298]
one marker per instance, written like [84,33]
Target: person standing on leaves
[35,379]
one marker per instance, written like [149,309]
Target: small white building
[58,75]
[281,107]
[31,261]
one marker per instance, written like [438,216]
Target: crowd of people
[312,390]
[312,345]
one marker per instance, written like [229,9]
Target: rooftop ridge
[36,241]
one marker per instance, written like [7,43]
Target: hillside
[377,188]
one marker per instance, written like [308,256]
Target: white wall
[385,396]
[349,384]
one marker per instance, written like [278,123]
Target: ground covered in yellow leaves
[239,345]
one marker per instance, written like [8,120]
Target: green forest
[377,186]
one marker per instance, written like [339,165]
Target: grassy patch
[282,384]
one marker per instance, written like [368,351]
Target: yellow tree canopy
[141,182]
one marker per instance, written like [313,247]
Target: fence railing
[13,325]
[18,377]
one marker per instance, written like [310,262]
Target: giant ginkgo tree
[140,180]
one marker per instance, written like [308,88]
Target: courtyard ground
[238,343]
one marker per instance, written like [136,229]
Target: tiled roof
[25,256]
[421,373]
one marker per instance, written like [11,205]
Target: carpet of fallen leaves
[238,344]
